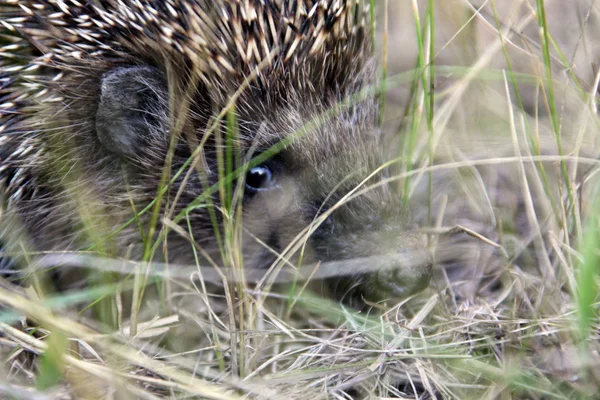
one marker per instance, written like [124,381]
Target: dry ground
[511,216]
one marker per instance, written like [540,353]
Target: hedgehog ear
[132,101]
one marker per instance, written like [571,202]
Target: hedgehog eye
[259,178]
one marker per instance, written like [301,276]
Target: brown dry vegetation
[512,309]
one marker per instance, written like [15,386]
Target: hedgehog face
[119,98]
[296,202]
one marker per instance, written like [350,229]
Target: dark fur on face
[147,99]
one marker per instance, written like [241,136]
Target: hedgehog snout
[376,253]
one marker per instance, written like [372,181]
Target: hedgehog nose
[379,277]
[402,270]
[408,272]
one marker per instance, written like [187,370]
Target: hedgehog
[168,122]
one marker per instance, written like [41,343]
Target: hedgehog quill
[109,114]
